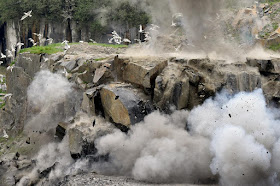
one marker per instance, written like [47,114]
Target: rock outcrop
[139,71]
[124,104]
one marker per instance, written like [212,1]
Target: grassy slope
[58,47]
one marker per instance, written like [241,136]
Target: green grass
[58,47]
[275,47]
[2,105]
[100,59]
[12,63]
[275,26]
[109,45]
[50,49]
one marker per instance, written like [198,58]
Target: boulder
[123,104]
[271,91]
[103,74]
[61,129]
[83,134]
[30,63]
[88,104]
[172,88]
[265,66]
[69,65]
[139,71]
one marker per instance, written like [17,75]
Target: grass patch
[12,63]
[2,140]
[2,91]
[50,49]
[108,45]
[275,47]
[275,26]
[2,105]
[100,59]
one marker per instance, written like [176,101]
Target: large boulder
[139,71]
[83,134]
[88,105]
[123,104]
[172,87]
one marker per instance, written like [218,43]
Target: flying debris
[91,40]
[66,74]
[28,14]
[64,42]
[125,40]
[177,19]
[147,36]
[38,35]
[154,27]
[3,56]
[116,38]
[178,48]
[50,41]
[173,24]
[19,45]
[32,41]
[13,48]
[141,29]
[93,123]
[138,40]
[9,53]
[1,78]
[66,47]
[8,96]
[10,68]
[27,58]
[5,135]
[45,59]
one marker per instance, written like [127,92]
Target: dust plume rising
[231,139]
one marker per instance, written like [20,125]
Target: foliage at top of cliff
[95,14]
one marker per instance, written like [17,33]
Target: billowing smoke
[159,148]
[51,99]
[233,138]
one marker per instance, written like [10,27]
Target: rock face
[269,68]
[30,63]
[14,112]
[265,66]
[88,105]
[124,105]
[172,87]
[139,71]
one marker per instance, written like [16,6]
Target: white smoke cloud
[51,99]
[158,149]
[232,137]
[238,158]
[48,88]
